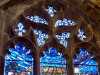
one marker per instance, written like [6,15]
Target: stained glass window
[81,35]
[51,11]
[64,22]
[63,38]
[85,63]
[19,60]
[41,37]
[37,19]
[20,29]
[52,62]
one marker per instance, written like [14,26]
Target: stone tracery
[52,30]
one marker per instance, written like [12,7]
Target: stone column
[1,65]
[2,29]
[71,50]
[70,69]
[36,63]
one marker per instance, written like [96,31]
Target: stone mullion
[52,27]
[71,51]
[2,42]
[36,50]
[2,31]
[1,65]
[70,67]
[70,64]
[36,58]
[37,62]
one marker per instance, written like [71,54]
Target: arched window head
[63,38]
[41,37]
[85,63]
[19,60]
[52,62]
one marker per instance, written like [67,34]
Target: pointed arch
[43,20]
[85,62]
[19,57]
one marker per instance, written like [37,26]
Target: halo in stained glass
[41,37]
[37,19]
[85,62]
[63,38]
[64,22]
[20,29]
[53,62]
[20,59]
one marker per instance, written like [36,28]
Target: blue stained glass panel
[52,59]
[85,62]
[20,59]
[41,37]
[90,66]
[37,19]
[64,22]
[63,38]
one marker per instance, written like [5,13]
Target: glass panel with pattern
[63,38]
[64,22]
[84,63]
[37,19]
[41,37]
[19,61]
[52,63]
[20,29]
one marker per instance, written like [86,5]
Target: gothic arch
[19,57]
[85,62]
[64,11]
